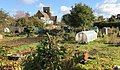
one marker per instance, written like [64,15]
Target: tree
[3,16]
[66,18]
[112,18]
[21,22]
[29,30]
[10,20]
[34,21]
[23,19]
[80,15]
[48,56]
[100,18]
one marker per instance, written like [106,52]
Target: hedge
[107,24]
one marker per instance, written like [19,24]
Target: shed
[86,36]
[17,30]
[105,30]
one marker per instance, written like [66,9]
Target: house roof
[39,14]
[45,15]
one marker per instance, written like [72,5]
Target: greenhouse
[86,36]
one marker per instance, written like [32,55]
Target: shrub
[2,51]
[107,24]
[47,57]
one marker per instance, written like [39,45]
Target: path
[21,41]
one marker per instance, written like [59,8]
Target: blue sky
[60,7]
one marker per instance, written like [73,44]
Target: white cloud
[40,6]
[108,8]
[52,12]
[65,9]
[110,1]
[12,12]
[29,1]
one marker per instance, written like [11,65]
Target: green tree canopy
[34,21]
[30,21]
[3,16]
[100,18]
[5,19]
[81,15]
[21,22]
[112,19]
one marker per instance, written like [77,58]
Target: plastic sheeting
[7,30]
[86,36]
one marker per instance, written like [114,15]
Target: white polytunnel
[86,36]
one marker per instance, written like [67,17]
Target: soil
[21,41]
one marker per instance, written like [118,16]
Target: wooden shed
[86,36]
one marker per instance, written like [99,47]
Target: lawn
[105,55]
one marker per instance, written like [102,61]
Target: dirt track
[21,41]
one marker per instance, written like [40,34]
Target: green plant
[29,30]
[47,57]
[2,51]
[81,15]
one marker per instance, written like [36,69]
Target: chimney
[47,10]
